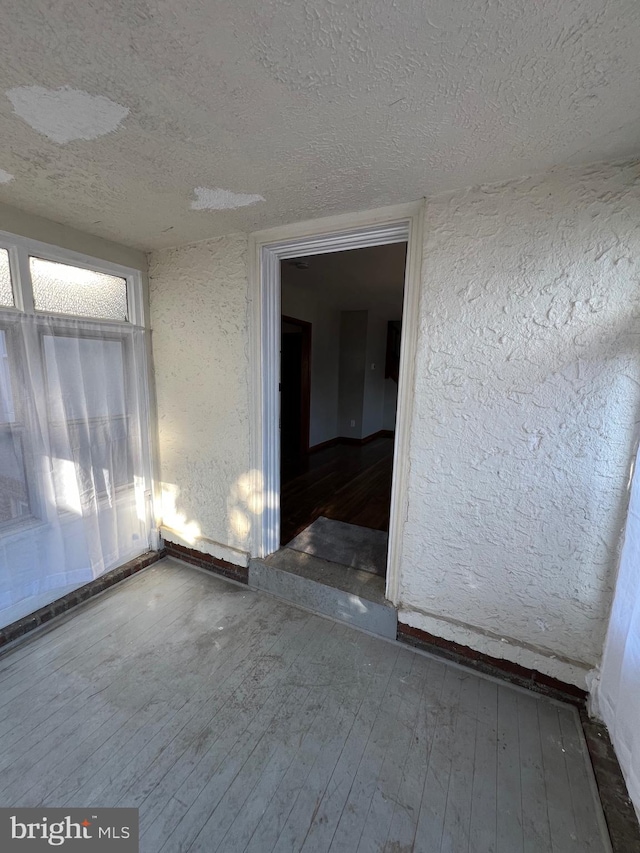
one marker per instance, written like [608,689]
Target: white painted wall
[200,341]
[373,402]
[353,353]
[38,228]
[526,403]
[617,697]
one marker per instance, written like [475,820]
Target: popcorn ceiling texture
[321,107]
[199,334]
[526,408]
[526,403]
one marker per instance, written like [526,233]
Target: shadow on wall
[247,501]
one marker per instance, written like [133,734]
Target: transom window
[6,290]
[64,289]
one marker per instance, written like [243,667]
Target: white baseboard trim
[208,546]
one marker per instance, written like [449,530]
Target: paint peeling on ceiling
[66,114]
[5,177]
[219,199]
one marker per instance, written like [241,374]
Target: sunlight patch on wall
[171,517]
[5,177]
[247,500]
[219,199]
[66,114]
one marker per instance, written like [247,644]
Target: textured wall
[200,340]
[527,399]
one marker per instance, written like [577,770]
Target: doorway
[335,492]
[401,224]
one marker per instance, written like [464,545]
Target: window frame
[20,249]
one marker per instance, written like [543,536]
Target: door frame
[401,223]
[305,379]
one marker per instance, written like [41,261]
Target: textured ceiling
[318,106]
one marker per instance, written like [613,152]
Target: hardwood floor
[237,723]
[345,482]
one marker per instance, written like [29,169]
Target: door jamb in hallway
[402,223]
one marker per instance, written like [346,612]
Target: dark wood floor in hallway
[345,482]
[237,723]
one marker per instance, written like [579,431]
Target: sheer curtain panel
[75,493]
[619,690]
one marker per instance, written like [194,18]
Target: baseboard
[498,667]
[207,561]
[72,599]
[204,548]
[355,442]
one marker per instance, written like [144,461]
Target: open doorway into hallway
[341,328]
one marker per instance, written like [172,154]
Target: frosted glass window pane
[6,291]
[63,289]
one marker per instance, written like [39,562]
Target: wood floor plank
[562,826]
[68,625]
[341,695]
[589,820]
[457,818]
[238,723]
[344,482]
[535,817]
[61,676]
[404,822]
[202,791]
[83,690]
[509,829]
[483,825]
[357,803]
[385,796]
[86,627]
[429,832]
[323,825]
[122,756]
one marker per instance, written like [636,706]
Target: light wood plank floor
[235,722]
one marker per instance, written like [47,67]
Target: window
[6,290]
[75,466]
[65,289]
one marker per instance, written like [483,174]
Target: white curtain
[73,456]
[619,690]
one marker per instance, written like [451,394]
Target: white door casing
[334,234]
